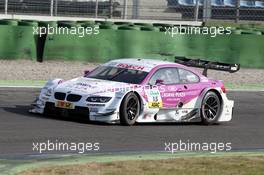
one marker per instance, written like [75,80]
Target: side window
[165,76]
[188,77]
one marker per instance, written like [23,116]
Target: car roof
[147,64]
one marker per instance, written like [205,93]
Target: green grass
[245,86]
[42,165]
[22,83]
[189,166]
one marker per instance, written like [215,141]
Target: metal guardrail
[187,10]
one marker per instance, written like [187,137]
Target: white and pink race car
[127,91]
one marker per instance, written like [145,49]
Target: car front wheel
[129,109]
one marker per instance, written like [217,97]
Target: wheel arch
[139,97]
[140,101]
[217,93]
[53,82]
[205,91]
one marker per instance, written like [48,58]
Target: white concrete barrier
[58,18]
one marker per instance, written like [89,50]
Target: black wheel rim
[211,108]
[132,108]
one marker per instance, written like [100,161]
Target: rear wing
[231,68]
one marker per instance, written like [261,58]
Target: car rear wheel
[211,108]
[129,109]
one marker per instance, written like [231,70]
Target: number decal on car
[154,98]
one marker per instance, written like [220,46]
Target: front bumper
[90,113]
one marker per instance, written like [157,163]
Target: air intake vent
[74,98]
[59,96]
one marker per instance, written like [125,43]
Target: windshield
[118,74]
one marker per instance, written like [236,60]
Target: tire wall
[123,40]
[17,40]
[244,49]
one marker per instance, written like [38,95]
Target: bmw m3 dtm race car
[127,91]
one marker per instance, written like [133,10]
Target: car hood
[89,86]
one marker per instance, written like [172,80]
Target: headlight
[48,92]
[99,99]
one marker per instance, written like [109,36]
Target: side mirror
[86,72]
[159,82]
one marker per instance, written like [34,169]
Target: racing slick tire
[211,108]
[129,109]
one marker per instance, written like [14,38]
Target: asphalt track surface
[19,129]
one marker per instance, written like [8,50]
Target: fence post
[111,9]
[6,6]
[196,15]
[125,10]
[56,8]
[206,10]
[237,10]
[51,7]
[96,8]
[135,9]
